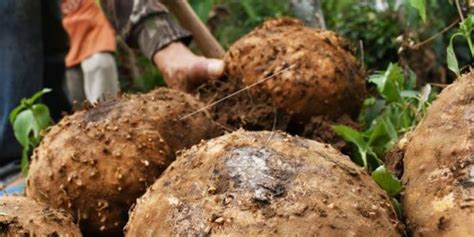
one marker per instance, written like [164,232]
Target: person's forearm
[144,24]
[157,32]
[149,27]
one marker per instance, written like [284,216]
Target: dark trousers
[32,49]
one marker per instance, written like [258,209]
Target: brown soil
[21,216]
[95,163]
[265,184]
[439,166]
[393,158]
[319,128]
[258,112]
[243,110]
[393,161]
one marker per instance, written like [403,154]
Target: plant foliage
[29,120]
[364,24]
[465,30]
[398,108]
[243,16]
[420,5]
[202,8]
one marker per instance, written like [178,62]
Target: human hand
[183,70]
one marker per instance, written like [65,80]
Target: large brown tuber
[439,166]
[95,163]
[263,184]
[325,78]
[304,72]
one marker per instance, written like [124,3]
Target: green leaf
[371,109]
[25,103]
[382,136]
[465,30]
[383,132]
[390,83]
[420,5]
[15,113]
[351,135]
[202,8]
[378,79]
[249,9]
[398,208]
[387,181]
[358,157]
[38,95]
[466,27]
[410,84]
[406,120]
[28,119]
[23,126]
[42,116]
[355,137]
[391,130]
[394,75]
[451,58]
[372,160]
[378,134]
[25,160]
[409,94]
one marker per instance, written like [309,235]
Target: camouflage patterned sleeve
[145,24]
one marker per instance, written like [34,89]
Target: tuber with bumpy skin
[263,184]
[95,163]
[438,164]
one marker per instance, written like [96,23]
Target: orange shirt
[89,30]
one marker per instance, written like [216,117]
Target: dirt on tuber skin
[95,163]
[438,162]
[263,184]
[22,216]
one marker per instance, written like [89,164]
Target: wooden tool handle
[205,41]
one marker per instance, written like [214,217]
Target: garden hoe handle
[205,41]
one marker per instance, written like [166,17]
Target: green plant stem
[458,7]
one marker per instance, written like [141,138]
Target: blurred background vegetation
[380,31]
